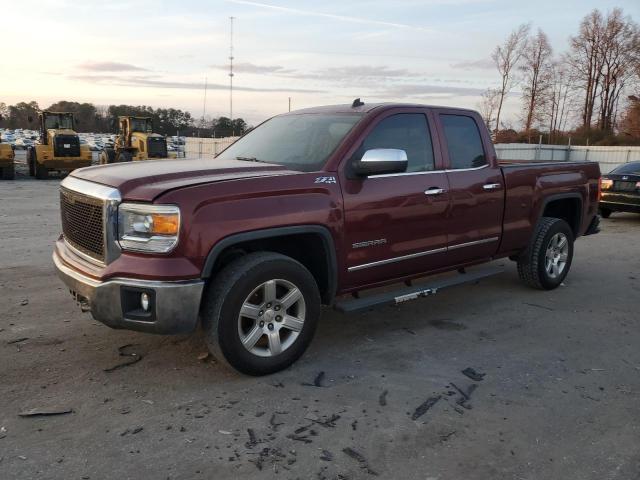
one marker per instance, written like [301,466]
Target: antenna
[231,19]
[204,102]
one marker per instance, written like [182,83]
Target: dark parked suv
[621,190]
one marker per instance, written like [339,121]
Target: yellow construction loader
[136,141]
[7,167]
[59,148]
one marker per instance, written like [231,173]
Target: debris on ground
[24,302]
[424,407]
[538,306]
[317,382]
[123,351]
[204,356]
[326,455]
[473,374]
[465,396]
[17,340]
[357,456]
[253,441]
[45,412]
[382,399]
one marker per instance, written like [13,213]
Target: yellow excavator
[59,148]
[136,141]
[7,167]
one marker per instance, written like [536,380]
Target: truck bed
[529,186]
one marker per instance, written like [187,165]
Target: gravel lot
[379,393]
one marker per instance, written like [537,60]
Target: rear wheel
[31,159]
[605,212]
[123,157]
[260,313]
[547,261]
[8,173]
[107,156]
[42,172]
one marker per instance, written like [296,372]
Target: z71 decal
[325,180]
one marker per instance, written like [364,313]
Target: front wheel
[547,261]
[260,313]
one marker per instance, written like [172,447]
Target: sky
[159,53]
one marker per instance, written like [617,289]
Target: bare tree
[488,105]
[506,58]
[620,53]
[585,59]
[537,70]
[559,100]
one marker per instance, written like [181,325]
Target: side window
[404,131]
[463,141]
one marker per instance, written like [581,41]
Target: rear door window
[404,131]
[464,143]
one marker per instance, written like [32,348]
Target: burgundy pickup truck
[312,208]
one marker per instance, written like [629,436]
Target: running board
[406,294]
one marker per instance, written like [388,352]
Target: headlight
[148,228]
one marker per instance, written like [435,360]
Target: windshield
[300,142]
[58,121]
[628,168]
[141,125]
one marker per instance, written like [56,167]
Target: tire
[123,157]
[42,172]
[107,156]
[605,212]
[31,159]
[243,284]
[9,173]
[536,265]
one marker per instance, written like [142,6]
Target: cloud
[364,72]
[253,68]
[110,67]
[152,82]
[482,64]
[342,18]
[418,90]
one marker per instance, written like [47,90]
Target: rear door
[395,223]
[476,187]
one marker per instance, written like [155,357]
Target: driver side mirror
[378,161]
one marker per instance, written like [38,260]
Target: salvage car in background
[621,190]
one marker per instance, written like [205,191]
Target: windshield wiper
[250,159]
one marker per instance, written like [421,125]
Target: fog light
[144,301]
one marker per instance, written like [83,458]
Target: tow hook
[82,302]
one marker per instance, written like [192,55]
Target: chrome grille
[83,223]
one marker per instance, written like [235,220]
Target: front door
[395,223]
[476,189]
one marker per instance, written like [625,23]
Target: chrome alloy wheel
[557,255]
[271,318]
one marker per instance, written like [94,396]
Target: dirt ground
[377,394]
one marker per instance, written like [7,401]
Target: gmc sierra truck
[313,207]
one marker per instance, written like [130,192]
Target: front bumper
[174,308]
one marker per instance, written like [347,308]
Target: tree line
[589,92]
[102,119]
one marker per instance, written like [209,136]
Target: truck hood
[145,180]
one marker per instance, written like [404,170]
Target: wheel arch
[299,242]
[566,206]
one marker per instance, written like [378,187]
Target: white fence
[206,147]
[608,157]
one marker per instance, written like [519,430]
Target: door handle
[434,191]
[492,186]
